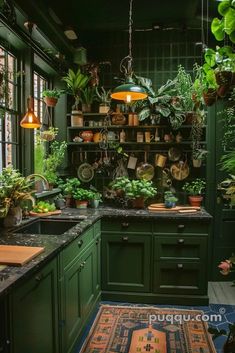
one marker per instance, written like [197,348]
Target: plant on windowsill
[53,161]
[82,197]
[170,199]
[194,190]
[14,189]
[51,97]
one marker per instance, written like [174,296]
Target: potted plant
[68,188]
[169,199]
[195,189]
[198,156]
[184,89]
[119,185]
[53,161]
[205,85]
[75,81]
[50,134]
[14,188]
[59,202]
[51,97]
[82,197]
[87,97]
[96,199]
[104,98]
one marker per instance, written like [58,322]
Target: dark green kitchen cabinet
[126,262]
[34,313]
[4,332]
[80,290]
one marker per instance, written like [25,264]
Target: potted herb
[169,199]
[50,134]
[119,186]
[87,97]
[53,161]
[139,191]
[104,98]
[51,97]
[68,188]
[82,197]
[14,188]
[195,189]
[96,199]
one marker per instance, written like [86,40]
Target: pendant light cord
[126,63]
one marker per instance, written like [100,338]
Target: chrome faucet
[45,182]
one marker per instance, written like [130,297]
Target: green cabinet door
[97,266]
[78,291]
[4,340]
[34,322]
[126,262]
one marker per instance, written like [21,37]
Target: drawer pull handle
[180,266]
[125,238]
[180,241]
[97,241]
[38,278]
[80,243]
[125,225]
[181,226]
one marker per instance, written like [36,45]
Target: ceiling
[101,15]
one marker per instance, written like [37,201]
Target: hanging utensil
[145,170]
[180,170]
[85,171]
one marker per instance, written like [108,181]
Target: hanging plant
[51,97]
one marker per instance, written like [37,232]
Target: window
[40,84]
[9,146]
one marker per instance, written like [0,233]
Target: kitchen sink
[47,226]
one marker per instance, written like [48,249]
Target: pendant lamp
[128,91]
[30,120]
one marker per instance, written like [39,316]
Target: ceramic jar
[86,135]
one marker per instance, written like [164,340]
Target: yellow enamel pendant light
[128,91]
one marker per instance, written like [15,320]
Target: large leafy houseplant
[75,81]
[14,188]
[226,24]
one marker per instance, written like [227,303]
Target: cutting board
[34,214]
[18,255]
[160,207]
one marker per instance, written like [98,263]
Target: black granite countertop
[11,275]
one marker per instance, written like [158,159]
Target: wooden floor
[221,293]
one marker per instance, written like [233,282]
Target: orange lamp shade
[30,120]
[129,92]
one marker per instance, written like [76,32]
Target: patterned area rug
[129,329]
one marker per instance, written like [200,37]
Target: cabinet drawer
[179,277]
[126,225]
[182,247]
[70,253]
[180,227]
[97,228]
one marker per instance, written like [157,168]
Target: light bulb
[128,98]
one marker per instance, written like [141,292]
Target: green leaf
[210,57]
[162,110]
[217,28]
[144,113]
[229,21]
[232,37]
[223,7]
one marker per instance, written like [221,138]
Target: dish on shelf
[174,154]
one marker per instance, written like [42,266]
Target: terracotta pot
[223,90]
[86,135]
[224,78]
[50,101]
[81,203]
[195,200]
[13,218]
[138,202]
[69,201]
[210,97]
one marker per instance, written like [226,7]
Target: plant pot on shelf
[50,101]
[76,118]
[195,201]
[169,204]
[210,97]
[197,163]
[69,201]
[86,108]
[103,108]
[13,218]
[138,202]
[81,203]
